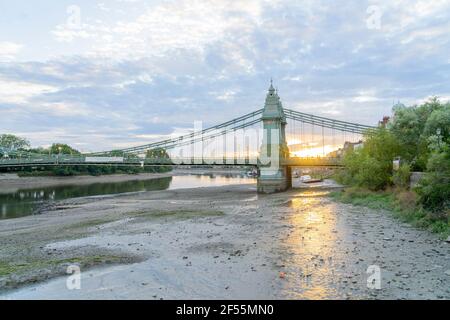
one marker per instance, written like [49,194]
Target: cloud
[9,50]
[135,71]
[20,92]
[165,27]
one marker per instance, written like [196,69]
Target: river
[25,202]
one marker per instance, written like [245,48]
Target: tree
[371,165]
[434,188]
[407,128]
[158,155]
[412,126]
[12,142]
[60,148]
[438,123]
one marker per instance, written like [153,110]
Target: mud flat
[219,242]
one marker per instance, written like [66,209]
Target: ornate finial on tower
[271,89]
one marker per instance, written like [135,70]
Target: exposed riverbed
[219,242]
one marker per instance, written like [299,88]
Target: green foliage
[401,203]
[157,154]
[9,141]
[413,126]
[401,177]
[439,124]
[94,170]
[407,127]
[364,197]
[60,148]
[420,136]
[371,165]
[434,188]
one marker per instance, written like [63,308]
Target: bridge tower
[274,175]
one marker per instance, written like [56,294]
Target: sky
[102,75]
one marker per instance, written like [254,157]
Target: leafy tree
[382,145]
[9,141]
[438,123]
[412,126]
[434,188]
[371,165]
[158,154]
[60,148]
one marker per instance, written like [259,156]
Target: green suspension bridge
[259,138]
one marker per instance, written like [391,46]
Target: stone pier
[274,176]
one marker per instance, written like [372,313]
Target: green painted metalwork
[273,117]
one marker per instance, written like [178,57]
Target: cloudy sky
[109,74]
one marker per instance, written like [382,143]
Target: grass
[17,268]
[90,223]
[366,198]
[403,205]
[179,214]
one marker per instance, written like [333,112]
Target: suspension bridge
[263,138]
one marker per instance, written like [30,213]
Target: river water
[29,201]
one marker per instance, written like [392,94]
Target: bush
[401,177]
[371,166]
[63,171]
[372,174]
[434,187]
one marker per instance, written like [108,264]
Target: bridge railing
[99,160]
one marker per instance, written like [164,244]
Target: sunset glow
[316,151]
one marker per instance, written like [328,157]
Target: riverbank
[402,204]
[220,242]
